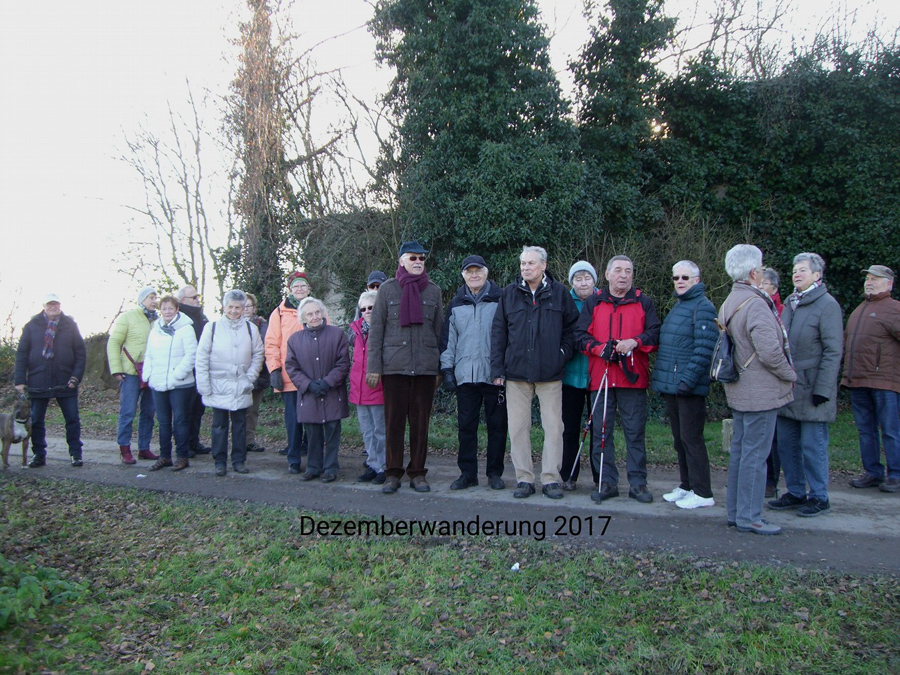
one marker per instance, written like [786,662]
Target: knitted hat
[582,266]
[293,276]
[144,292]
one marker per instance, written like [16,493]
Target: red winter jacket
[360,392]
[605,317]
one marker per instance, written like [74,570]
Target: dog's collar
[20,421]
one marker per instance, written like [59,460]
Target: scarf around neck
[411,298]
[49,337]
[794,298]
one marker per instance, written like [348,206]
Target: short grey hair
[772,277]
[691,265]
[310,300]
[179,294]
[814,260]
[741,260]
[624,258]
[542,252]
[234,295]
[367,296]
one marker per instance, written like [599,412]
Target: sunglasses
[416,258]
[367,309]
[683,277]
[373,287]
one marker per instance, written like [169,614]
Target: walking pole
[605,384]
[587,425]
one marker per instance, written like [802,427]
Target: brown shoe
[147,454]
[890,485]
[419,484]
[391,485]
[866,480]
[181,463]
[161,463]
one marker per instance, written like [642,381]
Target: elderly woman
[262,382]
[283,324]
[229,358]
[125,352]
[681,375]
[318,361]
[770,283]
[369,402]
[815,328]
[765,385]
[169,370]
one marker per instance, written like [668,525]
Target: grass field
[103,580]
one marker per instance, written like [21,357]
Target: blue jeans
[69,407]
[750,446]
[874,409]
[803,450]
[173,410]
[371,426]
[129,395]
[296,441]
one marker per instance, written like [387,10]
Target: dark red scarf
[411,299]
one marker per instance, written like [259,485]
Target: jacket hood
[180,321]
[694,291]
[631,296]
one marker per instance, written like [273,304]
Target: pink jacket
[360,392]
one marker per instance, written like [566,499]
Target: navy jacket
[533,334]
[686,343]
[48,378]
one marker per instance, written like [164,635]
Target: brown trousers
[407,398]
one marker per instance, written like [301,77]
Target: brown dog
[16,428]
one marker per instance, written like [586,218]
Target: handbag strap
[125,351]
[728,322]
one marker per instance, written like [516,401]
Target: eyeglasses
[683,277]
[190,297]
[367,309]
[373,287]
[415,258]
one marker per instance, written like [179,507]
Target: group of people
[582,350]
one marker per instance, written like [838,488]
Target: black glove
[819,400]
[609,352]
[449,383]
[276,379]
[318,388]
[684,389]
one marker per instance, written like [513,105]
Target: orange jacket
[283,323]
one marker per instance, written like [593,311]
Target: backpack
[723,367]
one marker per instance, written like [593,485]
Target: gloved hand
[321,387]
[819,400]
[276,380]
[449,382]
[609,352]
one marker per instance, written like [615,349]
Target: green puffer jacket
[130,332]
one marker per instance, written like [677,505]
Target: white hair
[542,252]
[234,295]
[302,307]
[691,265]
[741,260]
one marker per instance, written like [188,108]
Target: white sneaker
[676,494]
[694,501]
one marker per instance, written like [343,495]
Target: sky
[80,77]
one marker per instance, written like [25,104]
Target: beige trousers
[518,406]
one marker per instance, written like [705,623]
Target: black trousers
[196,419]
[687,416]
[469,400]
[220,421]
[574,404]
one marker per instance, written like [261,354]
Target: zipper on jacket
[852,350]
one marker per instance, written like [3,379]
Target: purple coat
[360,392]
[317,354]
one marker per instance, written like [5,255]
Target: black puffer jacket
[49,378]
[533,334]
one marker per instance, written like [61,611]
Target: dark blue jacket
[48,378]
[686,345]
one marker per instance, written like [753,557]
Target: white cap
[51,297]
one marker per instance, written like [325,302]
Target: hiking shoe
[419,484]
[161,463]
[367,476]
[180,464]
[240,467]
[866,481]
[676,494]
[552,491]
[787,501]
[37,461]
[379,478]
[641,494]
[308,476]
[568,485]
[606,491]
[759,527]
[283,451]
[814,507]
[76,461]
[890,485]
[694,501]
[147,454]
[221,470]
[496,483]
[464,482]
[294,469]
[771,491]
[253,447]
[391,485]
[523,490]
[202,450]
[329,477]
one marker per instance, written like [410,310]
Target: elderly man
[618,328]
[872,372]
[50,363]
[404,355]
[125,352]
[189,305]
[466,369]
[531,341]
[762,353]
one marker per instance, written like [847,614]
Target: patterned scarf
[151,316]
[291,301]
[411,298]
[795,297]
[167,327]
[364,329]
[785,343]
[49,336]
